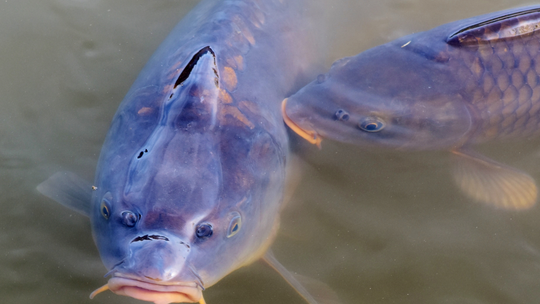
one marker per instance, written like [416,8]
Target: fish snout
[156,257]
[156,270]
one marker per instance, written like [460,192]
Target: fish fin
[293,179]
[492,183]
[69,190]
[311,290]
[497,27]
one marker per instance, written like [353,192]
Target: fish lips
[157,292]
[156,270]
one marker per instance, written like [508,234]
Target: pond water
[376,226]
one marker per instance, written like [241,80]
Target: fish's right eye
[234,225]
[104,207]
[371,124]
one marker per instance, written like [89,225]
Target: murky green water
[377,226]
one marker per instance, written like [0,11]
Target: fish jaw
[309,134]
[178,292]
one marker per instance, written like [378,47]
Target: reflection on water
[377,226]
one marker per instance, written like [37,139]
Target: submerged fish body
[190,179]
[462,83]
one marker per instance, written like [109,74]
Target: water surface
[377,226]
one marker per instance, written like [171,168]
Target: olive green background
[376,226]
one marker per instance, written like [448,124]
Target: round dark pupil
[105,211]
[235,227]
[372,126]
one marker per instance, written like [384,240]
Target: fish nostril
[341,115]
[129,218]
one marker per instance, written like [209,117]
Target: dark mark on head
[150,238]
[142,153]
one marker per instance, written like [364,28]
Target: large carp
[191,176]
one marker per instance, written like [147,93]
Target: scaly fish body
[461,83]
[498,67]
[191,175]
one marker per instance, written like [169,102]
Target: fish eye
[204,231]
[104,207]
[234,226]
[129,218]
[341,115]
[371,124]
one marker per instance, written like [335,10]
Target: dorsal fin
[506,25]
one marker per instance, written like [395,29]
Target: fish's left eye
[105,210]
[371,124]
[234,226]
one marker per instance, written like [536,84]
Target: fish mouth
[310,135]
[153,291]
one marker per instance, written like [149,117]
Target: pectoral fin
[69,190]
[311,290]
[493,183]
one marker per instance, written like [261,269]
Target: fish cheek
[432,124]
[449,122]
[109,239]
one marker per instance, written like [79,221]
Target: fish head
[180,225]
[386,97]
[183,198]
[160,252]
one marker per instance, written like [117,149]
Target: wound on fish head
[384,96]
